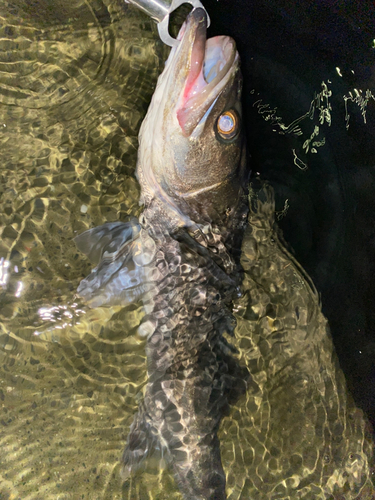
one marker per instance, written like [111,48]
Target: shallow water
[75,82]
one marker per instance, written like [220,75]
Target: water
[75,82]
[288,50]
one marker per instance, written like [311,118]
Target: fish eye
[228,124]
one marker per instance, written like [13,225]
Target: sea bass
[181,259]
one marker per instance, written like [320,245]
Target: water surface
[75,82]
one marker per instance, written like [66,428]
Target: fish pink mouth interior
[210,61]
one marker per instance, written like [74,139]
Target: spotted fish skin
[187,286]
[192,372]
[181,259]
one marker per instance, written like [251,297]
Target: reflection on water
[75,81]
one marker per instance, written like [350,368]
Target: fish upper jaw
[203,88]
[197,71]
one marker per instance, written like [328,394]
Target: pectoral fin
[121,256]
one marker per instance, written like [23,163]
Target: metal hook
[160,10]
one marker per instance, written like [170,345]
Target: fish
[181,260]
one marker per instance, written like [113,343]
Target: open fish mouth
[209,65]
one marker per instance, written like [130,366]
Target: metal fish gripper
[160,10]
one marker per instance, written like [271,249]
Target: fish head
[191,159]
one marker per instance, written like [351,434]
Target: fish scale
[192,375]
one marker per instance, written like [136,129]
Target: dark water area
[288,49]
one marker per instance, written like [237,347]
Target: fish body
[182,259]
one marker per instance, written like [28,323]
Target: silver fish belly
[182,259]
